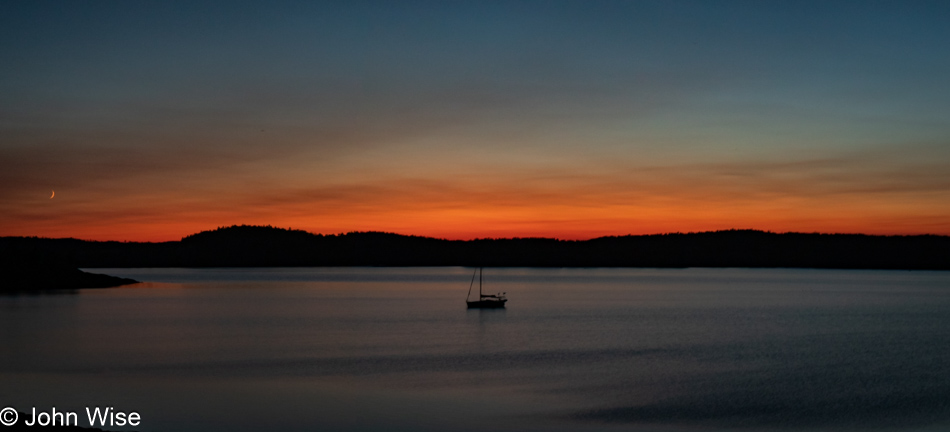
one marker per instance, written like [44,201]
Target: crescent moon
[53,194]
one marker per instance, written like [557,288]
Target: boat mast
[472,283]
[480,269]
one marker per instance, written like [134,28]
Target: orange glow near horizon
[502,216]
[417,191]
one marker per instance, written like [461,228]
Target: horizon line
[220,228]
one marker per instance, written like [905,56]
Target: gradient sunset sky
[456,119]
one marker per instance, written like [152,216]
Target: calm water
[394,349]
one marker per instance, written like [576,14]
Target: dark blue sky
[568,119]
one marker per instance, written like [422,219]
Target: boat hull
[486,304]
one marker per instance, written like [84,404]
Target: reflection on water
[576,350]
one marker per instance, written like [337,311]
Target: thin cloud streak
[843,195]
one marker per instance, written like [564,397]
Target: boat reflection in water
[485,301]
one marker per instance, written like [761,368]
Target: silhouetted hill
[240,246]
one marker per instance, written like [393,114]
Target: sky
[470,119]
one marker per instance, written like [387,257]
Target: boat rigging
[485,301]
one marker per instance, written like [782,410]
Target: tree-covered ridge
[245,245]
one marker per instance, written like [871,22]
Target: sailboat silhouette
[485,301]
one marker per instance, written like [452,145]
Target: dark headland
[262,246]
[23,271]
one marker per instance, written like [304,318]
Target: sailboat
[485,301]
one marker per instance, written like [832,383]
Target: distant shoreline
[258,246]
[39,277]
